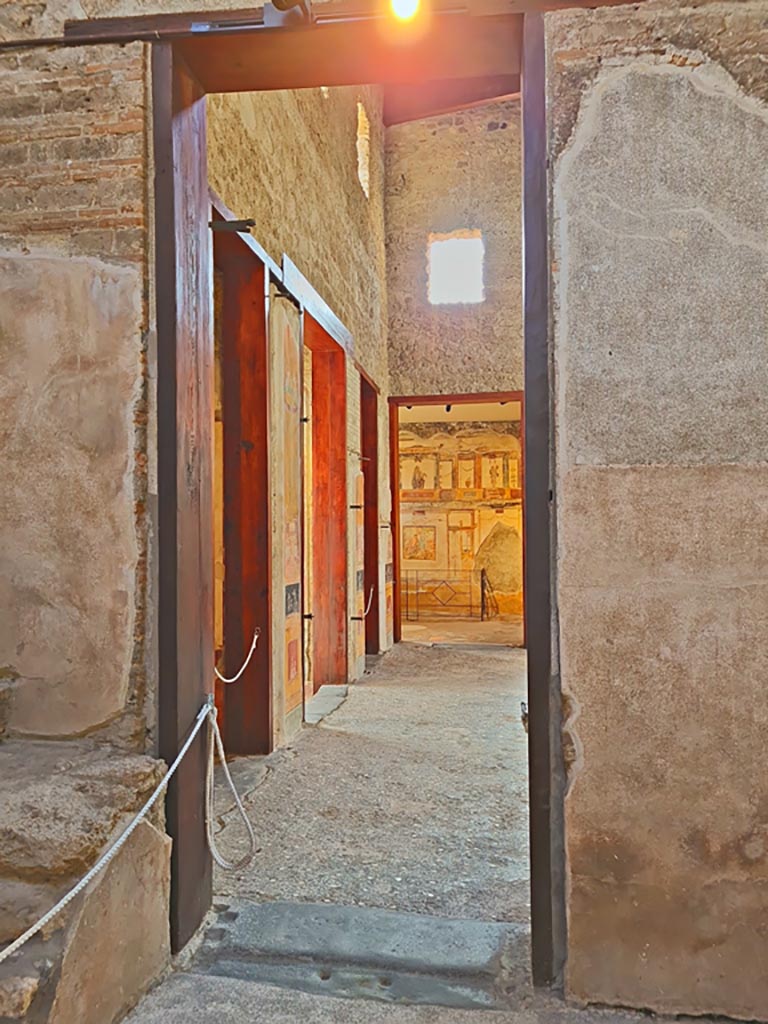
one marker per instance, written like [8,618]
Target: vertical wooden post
[185,486]
[369,446]
[247,545]
[394,478]
[330,511]
[537,498]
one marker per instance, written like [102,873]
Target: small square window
[455,266]
[363,150]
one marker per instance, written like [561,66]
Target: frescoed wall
[461,519]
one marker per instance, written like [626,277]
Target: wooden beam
[152,28]
[185,487]
[369,449]
[353,53]
[313,303]
[403,103]
[466,398]
[394,483]
[247,546]
[538,509]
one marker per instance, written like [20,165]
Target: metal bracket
[237,226]
[285,13]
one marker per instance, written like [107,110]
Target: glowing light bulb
[404,10]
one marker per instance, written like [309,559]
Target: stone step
[327,699]
[369,953]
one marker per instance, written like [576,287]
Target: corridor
[412,798]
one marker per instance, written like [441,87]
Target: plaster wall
[449,173]
[658,143]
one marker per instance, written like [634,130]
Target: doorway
[242,568]
[178,137]
[458,483]
[325,504]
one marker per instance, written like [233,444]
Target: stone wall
[73,418]
[76,624]
[659,136]
[289,160]
[448,173]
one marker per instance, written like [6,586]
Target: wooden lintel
[301,289]
[403,103]
[460,399]
[354,53]
[170,27]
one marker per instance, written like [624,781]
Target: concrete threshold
[369,953]
[327,699]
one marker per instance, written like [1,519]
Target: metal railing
[430,594]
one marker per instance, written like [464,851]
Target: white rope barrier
[244,666]
[214,737]
[206,713]
[368,606]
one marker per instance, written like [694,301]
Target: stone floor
[199,999]
[402,812]
[469,631]
[412,796]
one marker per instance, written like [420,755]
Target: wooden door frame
[185,394]
[546,774]
[369,451]
[184,300]
[396,402]
[248,726]
[330,552]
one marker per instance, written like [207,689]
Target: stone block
[60,802]
[118,942]
[16,995]
[641,525]
[666,822]
[670,945]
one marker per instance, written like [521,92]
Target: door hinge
[238,226]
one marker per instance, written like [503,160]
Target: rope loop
[244,666]
[214,740]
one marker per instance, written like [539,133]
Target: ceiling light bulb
[404,10]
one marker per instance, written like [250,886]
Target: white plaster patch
[660,225]
[70,336]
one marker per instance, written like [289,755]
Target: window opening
[455,268]
[364,150]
